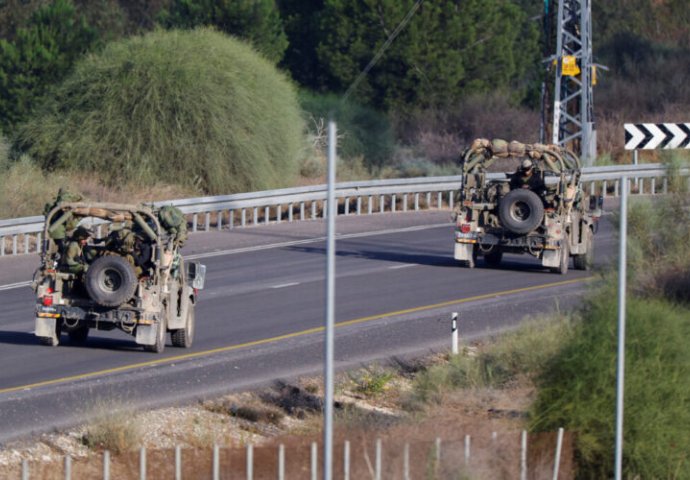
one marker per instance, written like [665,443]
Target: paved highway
[259,317]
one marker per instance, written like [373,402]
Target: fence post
[406,462]
[346,460]
[557,461]
[437,455]
[314,460]
[178,462]
[216,462]
[281,462]
[523,456]
[467,449]
[378,459]
[68,467]
[454,333]
[250,462]
[25,469]
[142,462]
[106,465]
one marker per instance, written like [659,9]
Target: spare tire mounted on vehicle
[110,281]
[521,211]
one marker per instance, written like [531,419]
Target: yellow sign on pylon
[569,66]
[594,74]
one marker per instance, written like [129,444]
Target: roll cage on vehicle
[546,217]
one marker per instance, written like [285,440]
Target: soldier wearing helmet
[74,259]
[527,176]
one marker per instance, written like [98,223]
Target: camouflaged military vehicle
[132,278]
[522,198]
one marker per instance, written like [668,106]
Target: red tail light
[49,290]
[47,301]
[465,228]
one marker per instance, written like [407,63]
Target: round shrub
[197,108]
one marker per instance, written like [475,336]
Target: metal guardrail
[23,235]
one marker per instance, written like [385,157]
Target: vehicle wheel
[183,337]
[110,281]
[585,260]
[53,341]
[493,258]
[159,346]
[79,335]
[521,211]
[564,260]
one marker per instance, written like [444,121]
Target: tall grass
[196,108]
[577,390]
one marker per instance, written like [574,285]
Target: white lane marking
[404,265]
[283,285]
[10,286]
[313,240]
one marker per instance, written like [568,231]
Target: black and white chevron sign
[650,136]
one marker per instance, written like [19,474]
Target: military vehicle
[502,208]
[133,278]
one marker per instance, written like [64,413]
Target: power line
[381,50]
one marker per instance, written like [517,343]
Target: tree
[449,49]
[257,21]
[41,54]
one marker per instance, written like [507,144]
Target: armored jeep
[132,278]
[549,217]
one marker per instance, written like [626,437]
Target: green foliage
[577,390]
[522,352]
[41,54]
[447,50]
[362,131]
[257,21]
[154,109]
[371,381]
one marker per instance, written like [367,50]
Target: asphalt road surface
[259,318]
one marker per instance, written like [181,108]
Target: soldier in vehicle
[526,176]
[75,259]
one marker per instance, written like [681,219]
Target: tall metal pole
[330,310]
[620,377]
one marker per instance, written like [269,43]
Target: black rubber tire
[521,211]
[564,260]
[159,346]
[493,258]
[110,281]
[585,260]
[79,335]
[183,337]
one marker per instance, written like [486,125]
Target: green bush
[362,131]
[195,108]
[578,389]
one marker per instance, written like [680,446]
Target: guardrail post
[290,208]
[14,244]
[347,205]
[604,188]
[256,215]
[382,204]
[243,219]
[450,199]
[428,200]
[370,205]
[219,220]
[39,242]
[279,213]
[439,200]
[2,246]
[231,219]
[653,186]
[641,191]
[393,200]
[615,188]
[313,209]
[359,205]
[665,185]
[416,201]
[267,215]
[26,243]
[404,202]
[195,219]
[301,210]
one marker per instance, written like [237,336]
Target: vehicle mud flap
[551,258]
[46,330]
[464,251]
[178,321]
[146,334]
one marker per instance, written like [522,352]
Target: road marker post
[454,333]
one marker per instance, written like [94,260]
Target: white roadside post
[620,377]
[454,333]
[330,310]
